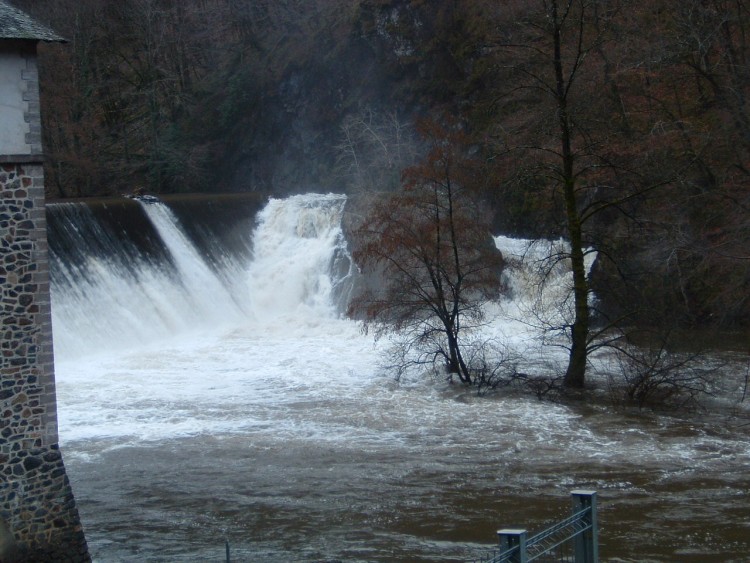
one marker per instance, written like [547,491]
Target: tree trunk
[576,372]
[457,364]
[575,376]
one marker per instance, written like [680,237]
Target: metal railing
[580,529]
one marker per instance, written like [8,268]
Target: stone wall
[21,131]
[38,517]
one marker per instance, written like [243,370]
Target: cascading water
[200,402]
[107,293]
[539,279]
[112,296]
[301,266]
[204,292]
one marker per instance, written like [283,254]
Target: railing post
[586,543]
[514,537]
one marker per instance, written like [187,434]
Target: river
[210,394]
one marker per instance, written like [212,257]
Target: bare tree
[548,50]
[653,373]
[436,256]
[374,149]
[569,147]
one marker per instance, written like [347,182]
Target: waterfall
[203,288]
[538,304]
[539,279]
[126,274]
[301,265]
[282,435]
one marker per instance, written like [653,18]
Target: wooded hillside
[298,95]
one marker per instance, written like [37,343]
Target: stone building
[38,516]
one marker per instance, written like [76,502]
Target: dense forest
[623,124]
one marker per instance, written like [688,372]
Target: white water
[205,294]
[170,351]
[108,304]
[291,277]
[539,280]
[167,376]
[184,356]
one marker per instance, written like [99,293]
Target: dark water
[295,499]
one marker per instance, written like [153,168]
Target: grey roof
[15,24]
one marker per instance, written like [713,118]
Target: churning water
[211,392]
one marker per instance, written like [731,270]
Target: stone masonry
[38,516]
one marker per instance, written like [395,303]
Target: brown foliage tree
[435,254]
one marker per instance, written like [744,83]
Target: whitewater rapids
[205,395]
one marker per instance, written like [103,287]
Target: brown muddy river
[668,490]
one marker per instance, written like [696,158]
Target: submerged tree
[434,251]
[544,57]
[574,151]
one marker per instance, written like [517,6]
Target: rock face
[38,516]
